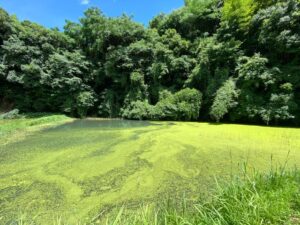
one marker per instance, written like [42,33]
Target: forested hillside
[233,61]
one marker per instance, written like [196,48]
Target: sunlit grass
[84,168]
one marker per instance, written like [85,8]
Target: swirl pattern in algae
[81,168]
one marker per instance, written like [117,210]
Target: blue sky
[53,13]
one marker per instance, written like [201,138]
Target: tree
[84,101]
[199,62]
[264,95]
[6,28]
[278,30]
[196,19]
[225,99]
[67,78]
[216,64]
[239,13]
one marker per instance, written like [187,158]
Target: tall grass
[272,198]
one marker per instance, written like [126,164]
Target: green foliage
[138,110]
[68,76]
[5,26]
[238,13]
[126,67]
[278,29]
[264,95]
[84,101]
[226,99]
[109,106]
[197,18]
[217,61]
[183,105]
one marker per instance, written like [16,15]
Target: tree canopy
[213,60]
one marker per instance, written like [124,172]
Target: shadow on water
[103,124]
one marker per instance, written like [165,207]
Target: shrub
[183,105]
[138,110]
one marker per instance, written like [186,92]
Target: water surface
[77,170]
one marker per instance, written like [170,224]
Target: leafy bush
[138,110]
[183,105]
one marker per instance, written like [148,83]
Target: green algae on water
[82,168]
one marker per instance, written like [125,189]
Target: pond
[77,170]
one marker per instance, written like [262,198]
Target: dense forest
[211,60]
